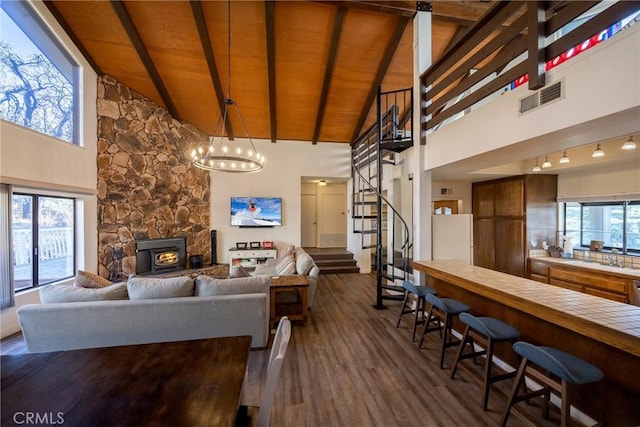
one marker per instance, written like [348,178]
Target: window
[38,78]
[43,244]
[617,224]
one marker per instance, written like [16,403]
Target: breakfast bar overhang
[603,332]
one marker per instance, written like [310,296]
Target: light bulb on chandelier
[218,156]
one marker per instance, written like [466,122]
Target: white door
[332,214]
[309,222]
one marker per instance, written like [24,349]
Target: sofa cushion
[85,279]
[151,288]
[210,286]
[238,271]
[70,293]
[304,262]
[286,266]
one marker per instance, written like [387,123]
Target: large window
[617,224]
[43,239]
[38,78]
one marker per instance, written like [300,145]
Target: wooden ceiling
[300,70]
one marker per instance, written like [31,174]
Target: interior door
[309,221]
[332,210]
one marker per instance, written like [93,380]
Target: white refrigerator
[452,237]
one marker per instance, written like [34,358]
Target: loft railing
[509,41]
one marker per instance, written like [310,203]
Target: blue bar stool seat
[570,369]
[418,292]
[442,308]
[487,331]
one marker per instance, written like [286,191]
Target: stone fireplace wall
[147,187]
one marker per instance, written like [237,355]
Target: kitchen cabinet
[581,277]
[510,216]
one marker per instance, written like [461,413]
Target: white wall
[601,183]
[33,161]
[461,192]
[286,163]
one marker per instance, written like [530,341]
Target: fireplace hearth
[161,255]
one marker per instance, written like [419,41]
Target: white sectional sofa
[303,264]
[213,308]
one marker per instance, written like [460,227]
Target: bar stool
[487,331]
[570,369]
[447,308]
[419,292]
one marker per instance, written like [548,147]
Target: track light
[598,152]
[536,168]
[547,163]
[564,158]
[630,144]
[322,183]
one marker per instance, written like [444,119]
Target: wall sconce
[546,163]
[564,158]
[598,152]
[536,168]
[630,144]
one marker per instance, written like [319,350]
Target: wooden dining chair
[260,415]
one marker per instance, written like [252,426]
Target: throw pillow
[286,266]
[69,293]
[152,288]
[85,279]
[207,286]
[238,271]
[304,262]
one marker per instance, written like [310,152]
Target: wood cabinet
[511,216]
[604,284]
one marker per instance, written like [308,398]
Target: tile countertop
[610,322]
[634,273]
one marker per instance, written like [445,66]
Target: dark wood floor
[350,366]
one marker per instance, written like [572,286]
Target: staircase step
[335,262]
[338,269]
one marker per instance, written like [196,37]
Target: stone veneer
[147,187]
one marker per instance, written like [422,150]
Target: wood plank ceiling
[300,70]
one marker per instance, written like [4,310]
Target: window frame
[35,241]
[624,204]
[34,27]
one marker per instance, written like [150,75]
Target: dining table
[185,383]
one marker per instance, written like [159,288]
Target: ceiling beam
[138,44]
[328,71]
[382,70]
[207,49]
[535,14]
[270,23]
[74,38]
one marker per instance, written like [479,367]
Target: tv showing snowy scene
[256,211]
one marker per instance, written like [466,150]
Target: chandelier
[223,153]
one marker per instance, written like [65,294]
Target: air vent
[543,96]
[529,103]
[551,93]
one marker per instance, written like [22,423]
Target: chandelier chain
[229,49]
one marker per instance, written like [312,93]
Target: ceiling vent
[544,96]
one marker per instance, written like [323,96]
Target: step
[335,262]
[338,269]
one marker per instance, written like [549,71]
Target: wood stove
[155,256]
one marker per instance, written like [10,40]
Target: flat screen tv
[256,211]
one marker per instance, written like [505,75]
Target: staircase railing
[392,134]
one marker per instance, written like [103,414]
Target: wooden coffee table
[188,383]
[294,310]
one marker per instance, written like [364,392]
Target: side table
[296,309]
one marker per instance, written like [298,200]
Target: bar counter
[603,332]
